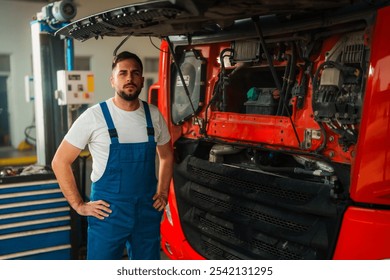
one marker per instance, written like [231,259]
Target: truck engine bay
[267,128]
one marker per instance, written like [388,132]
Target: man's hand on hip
[98,209]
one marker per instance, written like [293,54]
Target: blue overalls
[128,185]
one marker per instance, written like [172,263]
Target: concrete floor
[164,256]
[10,156]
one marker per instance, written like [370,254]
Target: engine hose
[291,78]
[296,170]
[284,86]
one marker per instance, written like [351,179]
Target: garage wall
[15,41]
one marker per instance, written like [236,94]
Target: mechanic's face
[127,80]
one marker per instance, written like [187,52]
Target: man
[123,135]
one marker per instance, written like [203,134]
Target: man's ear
[111,81]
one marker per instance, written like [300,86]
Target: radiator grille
[248,186]
[254,243]
[252,213]
[235,213]
[213,250]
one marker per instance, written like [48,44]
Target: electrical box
[75,87]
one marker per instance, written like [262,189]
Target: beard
[129,97]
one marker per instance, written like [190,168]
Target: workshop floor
[9,156]
[163,256]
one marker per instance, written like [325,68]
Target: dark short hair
[126,55]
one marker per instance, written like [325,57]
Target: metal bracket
[309,135]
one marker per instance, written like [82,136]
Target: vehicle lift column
[51,54]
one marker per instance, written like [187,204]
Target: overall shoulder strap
[110,124]
[149,123]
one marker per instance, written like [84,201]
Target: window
[151,65]
[5,63]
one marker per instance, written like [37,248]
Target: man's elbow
[59,161]
[55,163]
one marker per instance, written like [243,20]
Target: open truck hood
[189,17]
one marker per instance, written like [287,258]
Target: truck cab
[279,114]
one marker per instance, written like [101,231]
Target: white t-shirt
[91,128]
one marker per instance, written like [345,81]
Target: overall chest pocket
[138,152]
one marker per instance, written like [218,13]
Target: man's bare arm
[62,166]
[164,175]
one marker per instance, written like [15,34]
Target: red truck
[279,113]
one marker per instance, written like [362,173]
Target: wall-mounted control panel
[75,87]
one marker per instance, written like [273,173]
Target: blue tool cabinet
[34,221]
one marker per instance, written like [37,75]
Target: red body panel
[173,236]
[364,235]
[370,181]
